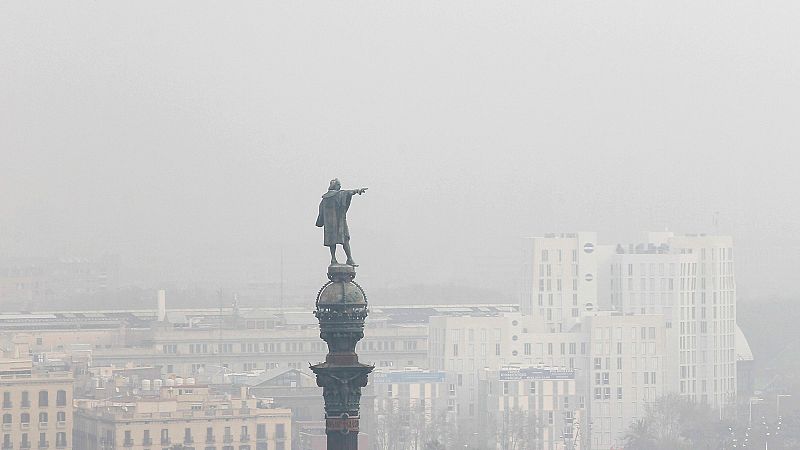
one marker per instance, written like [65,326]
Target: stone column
[341,308]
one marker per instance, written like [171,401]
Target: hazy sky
[195,138]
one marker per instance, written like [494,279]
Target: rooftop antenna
[716,222]
[280,298]
[220,326]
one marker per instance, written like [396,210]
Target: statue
[333,217]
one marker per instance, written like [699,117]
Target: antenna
[280,297]
[716,222]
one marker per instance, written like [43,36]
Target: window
[164,436]
[61,439]
[261,431]
[42,440]
[6,399]
[25,418]
[26,399]
[61,398]
[43,401]
[42,417]
[7,418]
[187,436]
[61,416]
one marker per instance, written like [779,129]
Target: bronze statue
[333,217]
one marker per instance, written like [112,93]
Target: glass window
[43,398]
[61,398]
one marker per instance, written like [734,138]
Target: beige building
[187,417]
[36,406]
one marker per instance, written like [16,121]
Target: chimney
[162,305]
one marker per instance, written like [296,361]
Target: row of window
[44,399]
[61,416]
[588,248]
[25,442]
[278,347]
[165,439]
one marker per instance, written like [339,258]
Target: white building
[559,279]
[630,359]
[689,279]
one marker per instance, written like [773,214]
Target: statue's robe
[333,216]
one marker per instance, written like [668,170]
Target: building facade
[36,405]
[532,407]
[187,417]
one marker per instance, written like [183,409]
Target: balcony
[44,444]
[188,440]
[210,439]
[245,438]
[6,426]
[61,424]
[61,444]
[7,405]
[165,441]
[25,425]
[7,445]
[261,437]
[25,404]
[128,443]
[147,442]
[227,439]
[42,425]
[25,444]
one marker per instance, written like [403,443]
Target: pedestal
[341,309]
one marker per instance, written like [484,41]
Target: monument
[341,308]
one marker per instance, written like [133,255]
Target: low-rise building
[409,407]
[531,407]
[189,415]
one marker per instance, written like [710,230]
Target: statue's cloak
[333,216]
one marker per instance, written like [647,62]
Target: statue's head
[335,185]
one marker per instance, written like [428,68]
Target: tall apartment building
[559,279]
[36,405]
[187,416]
[690,280]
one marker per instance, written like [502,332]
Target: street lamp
[778,404]
[750,415]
